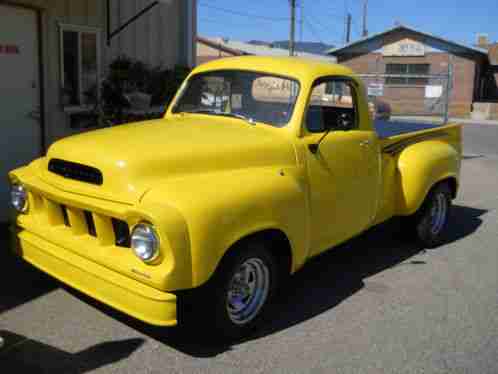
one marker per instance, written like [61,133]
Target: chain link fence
[409,96]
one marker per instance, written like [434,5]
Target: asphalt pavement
[375,305]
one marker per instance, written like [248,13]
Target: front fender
[221,208]
[420,167]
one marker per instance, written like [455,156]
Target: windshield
[255,97]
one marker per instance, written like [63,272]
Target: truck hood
[134,158]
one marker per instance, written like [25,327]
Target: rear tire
[429,223]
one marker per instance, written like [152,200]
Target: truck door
[344,171]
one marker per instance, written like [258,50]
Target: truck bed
[394,136]
[387,129]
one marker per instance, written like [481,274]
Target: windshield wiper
[239,116]
[219,113]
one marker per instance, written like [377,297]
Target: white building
[52,51]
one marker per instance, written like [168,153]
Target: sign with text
[404,48]
[9,49]
[376,89]
[433,92]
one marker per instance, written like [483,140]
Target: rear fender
[420,167]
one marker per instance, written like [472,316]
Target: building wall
[160,38]
[411,98]
[368,58]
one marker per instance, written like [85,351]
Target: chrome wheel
[247,291]
[438,213]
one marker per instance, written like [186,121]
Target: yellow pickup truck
[258,165]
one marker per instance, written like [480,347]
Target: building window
[409,70]
[80,65]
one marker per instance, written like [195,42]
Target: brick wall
[411,99]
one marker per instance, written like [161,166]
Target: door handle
[365,143]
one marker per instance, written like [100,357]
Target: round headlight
[19,198]
[145,242]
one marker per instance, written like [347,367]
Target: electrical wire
[243,14]
[313,31]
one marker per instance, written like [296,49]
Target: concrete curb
[463,121]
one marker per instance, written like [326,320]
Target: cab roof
[299,68]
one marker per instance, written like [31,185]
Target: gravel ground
[375,305]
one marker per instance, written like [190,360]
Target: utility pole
[349,20]
[365,8]
[301,22]
[292,27]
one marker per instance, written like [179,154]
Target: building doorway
[20,110]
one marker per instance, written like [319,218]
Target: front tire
[431,220]
[233,303]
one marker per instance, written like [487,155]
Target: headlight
[19,198]
[145,242]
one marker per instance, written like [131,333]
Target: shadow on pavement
[23,355]
[19,281]
[323,283]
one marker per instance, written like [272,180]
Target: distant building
[488,107]
[490,78]
[307,47]
[404,50]
[212,48]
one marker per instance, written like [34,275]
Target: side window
[80,65]
[332,106]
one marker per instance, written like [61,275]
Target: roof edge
[221,47]
[333,51]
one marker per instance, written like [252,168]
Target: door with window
[344,171]
[20,140]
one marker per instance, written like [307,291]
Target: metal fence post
[449,84]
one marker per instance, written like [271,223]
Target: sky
[268,20]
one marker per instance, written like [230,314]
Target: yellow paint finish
[103,226]
[205,182]
[122,293]
[419,166]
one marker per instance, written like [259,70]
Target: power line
[214,21]
[321,25]
[243,14]
[333,13]
[313,31]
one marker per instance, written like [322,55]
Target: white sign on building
[404,48]
[433,92]
[375,89]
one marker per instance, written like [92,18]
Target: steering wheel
[345,121]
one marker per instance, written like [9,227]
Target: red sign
[9,49]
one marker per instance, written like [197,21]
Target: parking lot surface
[375,305]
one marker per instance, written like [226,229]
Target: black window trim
[406,81]
[354,88]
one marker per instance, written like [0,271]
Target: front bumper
[122,293]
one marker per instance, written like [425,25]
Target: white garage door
[20,132]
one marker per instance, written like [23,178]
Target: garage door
[20,132]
